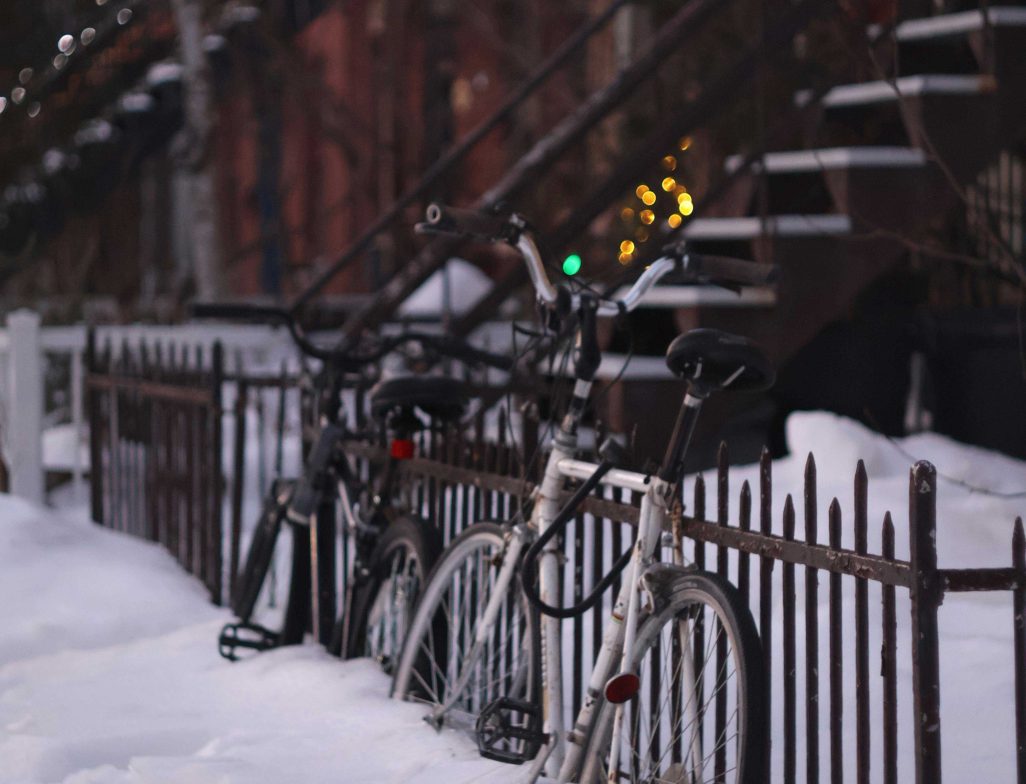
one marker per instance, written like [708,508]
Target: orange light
[649,198]
[674,220]
[669,184]
[684,143]
[626,247]
[670,163]
[641,190]
[641,235]
[647,216]
[625,258]
[686,208]
[626,214]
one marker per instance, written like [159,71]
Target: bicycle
[478,652]
[391,550]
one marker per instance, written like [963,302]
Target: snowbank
[109,672]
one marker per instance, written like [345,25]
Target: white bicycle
[677,690]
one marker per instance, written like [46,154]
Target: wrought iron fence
[156,423]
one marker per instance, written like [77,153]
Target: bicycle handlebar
[724,271]
[350,359]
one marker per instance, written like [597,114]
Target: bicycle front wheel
[273,584]
[384,604]
[700,715]
[440,664]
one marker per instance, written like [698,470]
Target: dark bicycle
[390,550]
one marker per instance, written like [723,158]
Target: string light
[669,184]
[686,208]
[625,258]
[648,198]
[674,221]
[627,247]
[647,216]
[670,163]
[641,190]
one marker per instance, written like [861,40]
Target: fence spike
[836,654]
[888,663]
[790,657]
[811,630]
[862,736]
[766,585]
[925,599]
[745,523]
[1019,639]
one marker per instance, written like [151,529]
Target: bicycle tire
[434,637]
[384,603]
[253,581]
[704,602]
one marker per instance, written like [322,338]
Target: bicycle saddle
[440,398]
[712,360]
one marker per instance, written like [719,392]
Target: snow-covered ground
[109,672]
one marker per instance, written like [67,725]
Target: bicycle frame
[563,754]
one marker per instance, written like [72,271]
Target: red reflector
[622,687]
[402,448]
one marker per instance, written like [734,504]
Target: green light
[572,264]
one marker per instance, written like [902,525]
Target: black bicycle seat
[444,399]
[712,360]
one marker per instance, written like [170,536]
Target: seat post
[684,428]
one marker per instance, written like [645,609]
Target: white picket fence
[26,348]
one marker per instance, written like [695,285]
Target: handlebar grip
[729,270]
[240,311]
[457,220]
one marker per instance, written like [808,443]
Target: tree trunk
[196,153]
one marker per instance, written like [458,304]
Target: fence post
[215,514]
[95,431]
[926,595]
[1019,639]
[25,405]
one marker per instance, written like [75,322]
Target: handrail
[646,153]
[541,156]
[457,153]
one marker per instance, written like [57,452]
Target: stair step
[775,225]
[950,25]
[798,161]
[704,296]
[884,92]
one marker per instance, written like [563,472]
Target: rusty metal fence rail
[155,445]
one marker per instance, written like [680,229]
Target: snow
[109,671]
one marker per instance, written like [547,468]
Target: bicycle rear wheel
[436,666]
[700,715]
[384,604]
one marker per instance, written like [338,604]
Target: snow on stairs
[840,212]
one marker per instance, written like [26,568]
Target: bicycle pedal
[510,731]
[247,636]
